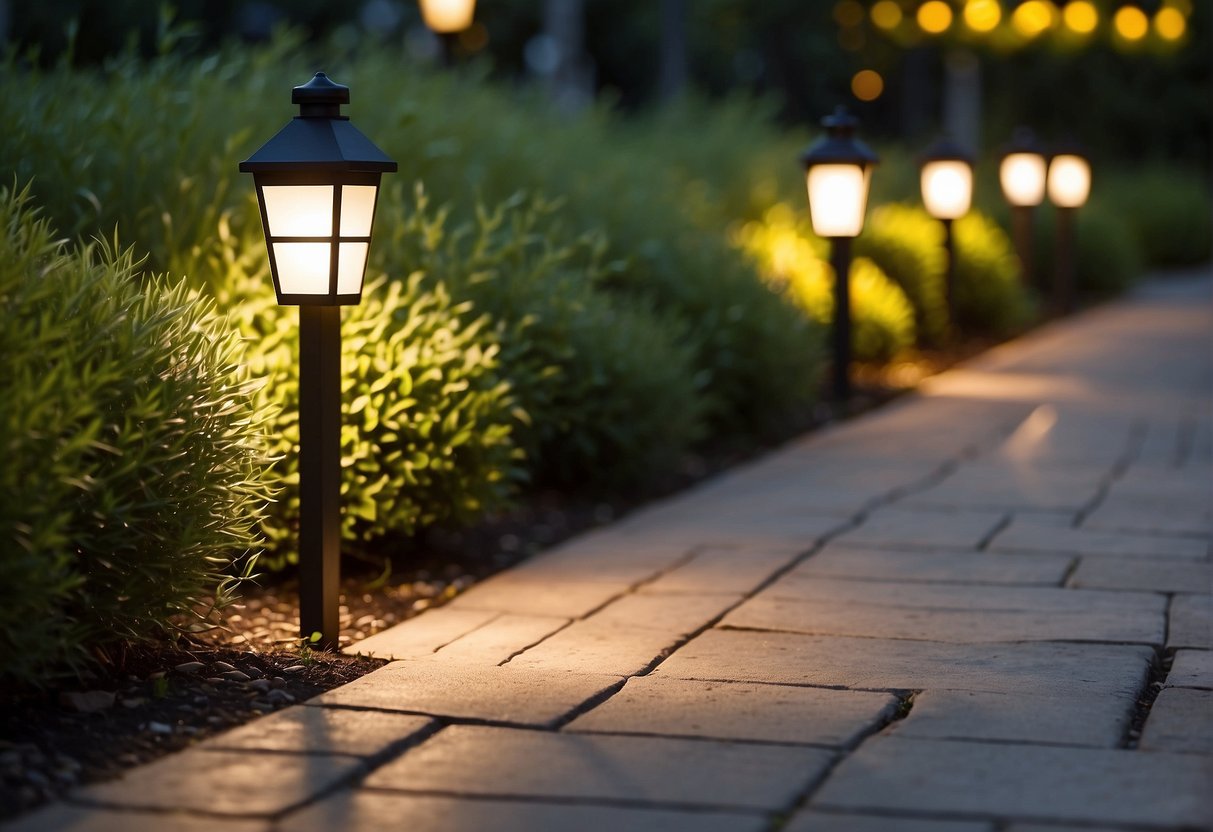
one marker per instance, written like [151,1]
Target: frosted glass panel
[838,197]
[445,16]
[303,268]
[357,210]
[299,210]
[947,189]
[351,263]
[1023,178]
[1069,181]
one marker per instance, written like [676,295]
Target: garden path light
[838,171]
[947,192]
[317,183]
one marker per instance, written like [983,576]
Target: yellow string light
[982,15]
[1080,16]
[1131,23]
[934,17]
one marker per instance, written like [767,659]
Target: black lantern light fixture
[1021,173]
[946,180]
[838,172]
[446,19]
[317,183]
[1069,185]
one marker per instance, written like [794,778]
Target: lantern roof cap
[946,149]
[320,90]
[319,138]
[1067,146]
[1023,140]
[839,145]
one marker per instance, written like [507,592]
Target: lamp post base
[319,473]
[1063,277]
[840,261]
[1021,233]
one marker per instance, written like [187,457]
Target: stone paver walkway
[986,607]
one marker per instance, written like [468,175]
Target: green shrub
[135,463]
[908,245]
[1169,210]
[427,417]
[991,298]
[882,318]
[580,359]
[1107,257]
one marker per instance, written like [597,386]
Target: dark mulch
[159,698]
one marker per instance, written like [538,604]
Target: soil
[157,698]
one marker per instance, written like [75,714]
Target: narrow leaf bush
[135,463]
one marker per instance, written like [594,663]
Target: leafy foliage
[427,416]
[883,320]
[908,245]
[1169,210]
[135,461]
[1107,258]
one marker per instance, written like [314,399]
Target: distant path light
[934,17]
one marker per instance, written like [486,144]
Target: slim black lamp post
[446,19]
[317,182]
[838,170]
[1022,176]
[1069,185]
[947,192]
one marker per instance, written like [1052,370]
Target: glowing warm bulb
[982,15]
[1131,23]
[867,85]
[1170,23]
[299,210]
[1022,176]
[1080,17]
[934,17]
[1032,18]
[448,16]
[886,14]
[1069,181]
[947,188]
[838,198]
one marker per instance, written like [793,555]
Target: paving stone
[378,811]
[1152,574]
[933,567]
[677,615]
[1191,669]
[1088,718]
[532,595]
[1023,535]
[736,571]
[601,646]
[813,821]
[500,694]
[421,636]
[63,818]
[608,556]
[1135,514]
[323,730]
[738,711]
[225,782]
[1003,486]
[899,528]
[1181,719]
[500,639]
[1191,622]
[503,762]
[1053,827]
[889,664]
[936,612]
[1022,782]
